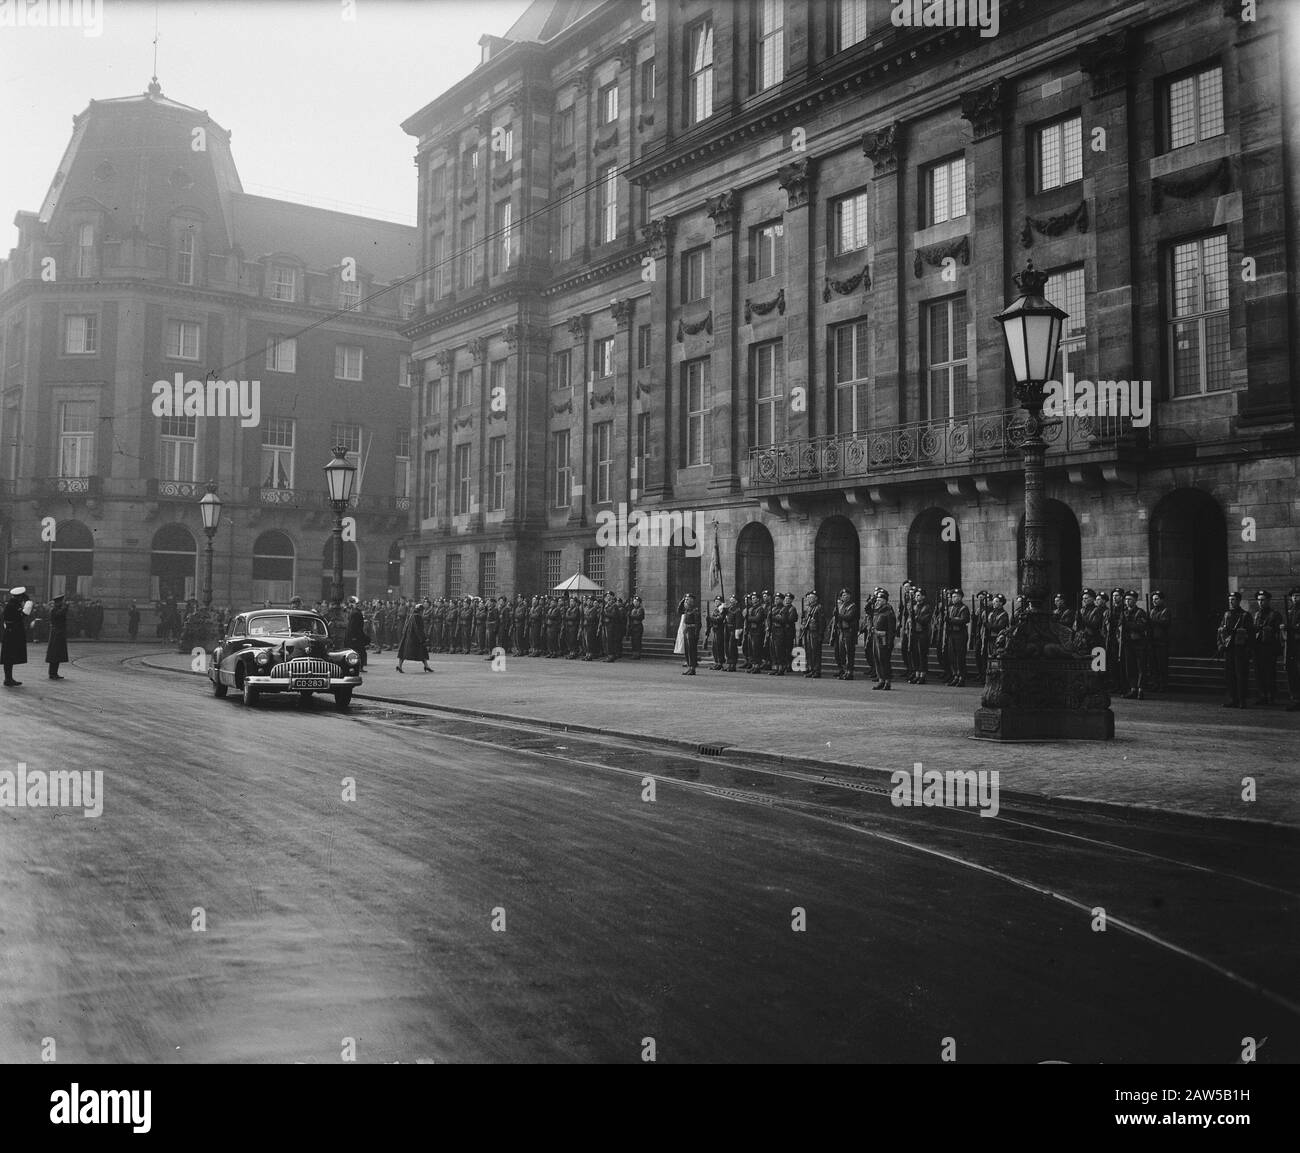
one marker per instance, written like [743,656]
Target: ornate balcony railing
[974,441]
[70,486]
[191,490]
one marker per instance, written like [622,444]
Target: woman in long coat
[414,647]
[56,652]
[13,641]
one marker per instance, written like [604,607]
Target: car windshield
[277,624]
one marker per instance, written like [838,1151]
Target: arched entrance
[1064,551]
[836,560]
[934,552]
[394,568]
[683,578]
[1188,538]
[349,570]
[755,560]
[273,563]
[172,564]
[72,560]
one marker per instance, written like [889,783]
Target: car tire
[343,698]
[251,692]
[219,689]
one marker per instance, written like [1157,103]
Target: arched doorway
[1064,551]
[1188,539]
[273,565]
[755,560]
[683,578]
[349,570]
[934,552]
[836,560]
[72,560]
[172,564]
[394,581]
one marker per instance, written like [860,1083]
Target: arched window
[755,560]
[172,563]
[273,567]
[72,559]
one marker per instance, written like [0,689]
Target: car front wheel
[219,689]
[251,692]
[343,698]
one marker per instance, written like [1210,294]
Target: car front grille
[305,667]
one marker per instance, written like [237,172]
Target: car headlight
[352,659]
[263,658]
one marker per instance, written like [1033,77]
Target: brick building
[742,261]
[148,262]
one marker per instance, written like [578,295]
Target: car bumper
[285,685]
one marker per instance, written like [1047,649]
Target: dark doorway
[934,552]
[171,563]
[1189,563]
[755,560]
[1064,551]
[683,578]
[836,560]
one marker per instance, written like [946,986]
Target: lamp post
[1042,685]
[210,510]
[339,474]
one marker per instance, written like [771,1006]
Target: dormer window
[185,257]
[86,250]
[284,282]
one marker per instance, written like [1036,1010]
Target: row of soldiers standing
[1257,639]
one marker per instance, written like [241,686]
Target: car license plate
[309,682]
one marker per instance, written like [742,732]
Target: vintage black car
[282,651]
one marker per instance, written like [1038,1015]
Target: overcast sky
[313,101]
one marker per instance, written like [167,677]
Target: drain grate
[711,750]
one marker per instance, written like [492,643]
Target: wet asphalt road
[510,896]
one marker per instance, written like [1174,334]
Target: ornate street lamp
[1042,685]
[339,475]
[210,510]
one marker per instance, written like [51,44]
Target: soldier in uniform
[1061,612]
[1160,619]
[715,624]
[591,629]
[537,627]
[1114,632]
[616,623]
[1236,639]
[996,622]
[572,626]
[884,627]
[451,626]
[1135,635]
[519,625]
[921,623]
[491,629]
[958,630]
[13,640]
[845,635]
[1268,647]
[56,652]
[979,614]
[1090,622]
[753,659]
[1291,648]
[691,634]
[636,626]
[554,627]
[735,627]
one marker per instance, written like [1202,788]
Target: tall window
[767,250]
[644,346]
[1059,153]
[77,438]
[347,361]
[561,473]
[849,219]
[849,344]
[406,301]
[432,463]
[602,456]
[603,352]
[284,282]
[562,369]
[695,274]
[607,101]
[648,81]
[496,474]
[593,564]
[282,354]
[700,71]
[179,438]
[1065,289]
[608,186]
[461,479]
[551,560]
[422,586]
[277,452]
[183,339]
[464,387]
[403,370]
[1199,336]
[469,168]
[945,188]
[502,249]
[1194,107]
[402,464]
[441,273]
[454,586]
[468,257]
[642,449]
[86,250]
[185,256]
[349,437]
[81,334]
[564,127]
[697,404]
[437,189]
[769,43]
[507,148]
[769,390]
[349,294]
[487,575]
[947,393]
[852,24]
[564,224]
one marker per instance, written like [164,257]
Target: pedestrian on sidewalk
[414,647]
[132,622]
[13,640]
[356,636]
[56,652]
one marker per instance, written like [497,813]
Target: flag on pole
[715,565]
